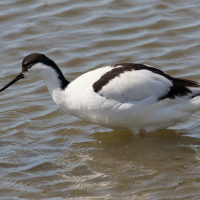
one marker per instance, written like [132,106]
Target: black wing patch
[179,87]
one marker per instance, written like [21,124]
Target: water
[48,154]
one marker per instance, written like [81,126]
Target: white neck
[50,77]
[47,74]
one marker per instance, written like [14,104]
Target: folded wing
[135,82]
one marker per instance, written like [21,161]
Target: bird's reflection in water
[153,162]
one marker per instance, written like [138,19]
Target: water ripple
[48,154]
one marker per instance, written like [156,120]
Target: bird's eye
[28,65]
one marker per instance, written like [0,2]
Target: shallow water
[48,154]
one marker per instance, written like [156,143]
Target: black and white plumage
[125,96]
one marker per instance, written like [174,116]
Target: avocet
[121,96]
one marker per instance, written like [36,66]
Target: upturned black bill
[18,77]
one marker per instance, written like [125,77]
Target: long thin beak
[18,77]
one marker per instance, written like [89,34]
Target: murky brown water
[48,154]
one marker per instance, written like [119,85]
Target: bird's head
[34,66]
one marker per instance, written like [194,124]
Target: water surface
[48,154]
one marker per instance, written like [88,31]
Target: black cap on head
[33,59]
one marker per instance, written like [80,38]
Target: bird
[127,96]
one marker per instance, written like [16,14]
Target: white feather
[128,101]
[136,85]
